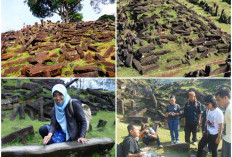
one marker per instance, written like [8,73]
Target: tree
[75,17]
[47,8]
[104,17]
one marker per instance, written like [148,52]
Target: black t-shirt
[130,146]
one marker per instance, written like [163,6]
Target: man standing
[192,117]
[130,144]
[223,99]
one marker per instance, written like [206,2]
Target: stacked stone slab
[143,40]
[35,99]
[56,49]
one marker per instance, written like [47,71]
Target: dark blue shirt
[191,112]
[173,108]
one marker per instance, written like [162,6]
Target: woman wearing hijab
[68,121]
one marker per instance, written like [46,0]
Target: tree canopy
[64,8]
[104,17]
[75,17]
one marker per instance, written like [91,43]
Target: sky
[91,83]
[15,14]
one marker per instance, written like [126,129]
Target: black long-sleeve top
[76,122]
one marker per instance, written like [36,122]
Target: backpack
[120,150]
[87,113]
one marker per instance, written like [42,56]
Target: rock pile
[84,49]
[141,101]
[34,98]
[165,35]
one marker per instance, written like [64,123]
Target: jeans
[149,139]
[190,128]
[226,149]
[211,140]
[43,131]
[173,126]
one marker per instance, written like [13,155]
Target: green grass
[178,49]
[185,68]
[10,126]
[222,5]
[165,139]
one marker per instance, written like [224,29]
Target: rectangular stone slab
[100,145]
[149,68]
[141,119]
[108,52]
[88,74]
[22,132]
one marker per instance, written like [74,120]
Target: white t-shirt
[227,137]
[214,118]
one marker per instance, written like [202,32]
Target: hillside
[84,49]
[134,96]
[173,38]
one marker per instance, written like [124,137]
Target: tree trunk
[67,12]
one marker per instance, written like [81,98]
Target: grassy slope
[10,126]
[178,50]
[165,139]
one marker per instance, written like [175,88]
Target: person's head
[192,96]
[223,97]
[143,127]
[59,92]
[133,130]
[210,102]
[172,99]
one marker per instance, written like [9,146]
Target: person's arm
[53,127]
[219,133]
[199,119]
[136,155]
[142,132]
[80,118]
[54,123]
[184,115]
[199,114]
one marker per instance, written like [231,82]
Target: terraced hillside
[84,49]
[173,38]
[134,94]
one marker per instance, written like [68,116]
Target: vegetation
[104,17]
[64,8]
[11,126]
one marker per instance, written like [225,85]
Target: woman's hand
[47,138]
[82,140]
[218,140]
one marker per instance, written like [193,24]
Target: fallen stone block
[97,145]
[88,74]
[44,71]
[29,130]
[173,66]
[108,52]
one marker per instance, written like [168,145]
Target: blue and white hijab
[59,108]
